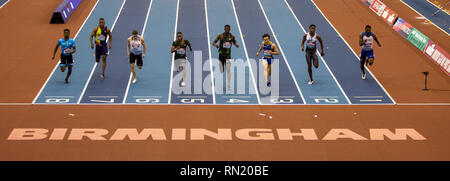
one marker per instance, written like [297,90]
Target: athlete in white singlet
[311,39]
[136,52]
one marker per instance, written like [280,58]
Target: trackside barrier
[431,50]
[64,10]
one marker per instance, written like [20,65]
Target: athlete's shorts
[223,59]
[366,54]
[138,58]
[268,60]
[179,63]
[100,50]
[66,60]
[311,56]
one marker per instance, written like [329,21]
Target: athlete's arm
[145,46]
[321,45]
[74,50]
[128,47]
[260,48]
[110,37]
[189,44]
[361,41]
[275,50]
[234,42]
[376,40]
[174,48]
[54,52]
[215,41]
[303,42]
[92,36]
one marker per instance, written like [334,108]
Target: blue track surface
[112,88]
[441,19]
[154,79]
[254,25]
[2,2]
[252,18]
[192,23]
[56,91]
[325,90]
[220,13]
[342,61]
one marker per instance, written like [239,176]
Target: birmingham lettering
[221,134]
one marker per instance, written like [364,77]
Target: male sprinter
[367,55]
[179,47]
[101,33]
[270,49]
[67,49]
[311,39]
[226,40]
[134,53]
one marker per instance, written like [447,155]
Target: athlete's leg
[132,70]
[63,67]
[308,60]
[228,65]
[266,73]
[183,73]
[69,72]
[315,60]
[103,64]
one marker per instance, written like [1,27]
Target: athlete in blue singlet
[67,49]
[366,41]
[101,34]
[270,49]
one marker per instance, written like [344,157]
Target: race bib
[311,44]
[227,44]
[67,50]
[135,46]
[101,37]
[266,52]
[181,51]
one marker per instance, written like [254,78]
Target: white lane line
[209,50]
[387,93]
[5,4]
[323,59]
[95,66]
[246,53]
[282,53]
[173,54]
[57,63]
[142,35]
[426,18]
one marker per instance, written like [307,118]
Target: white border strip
[57,63]
[142,35]
[5,4]
[282,53]
[425,18]
[246,53]
[173,54]
[387,93]
[323,60]
[95,66]
[209,51]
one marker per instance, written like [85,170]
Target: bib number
[181,51]
[101,37]
[227,45]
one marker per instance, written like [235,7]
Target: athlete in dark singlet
[67,49]
[226,41]
[101,34]
[366,41]
[311,39]
[179,48]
